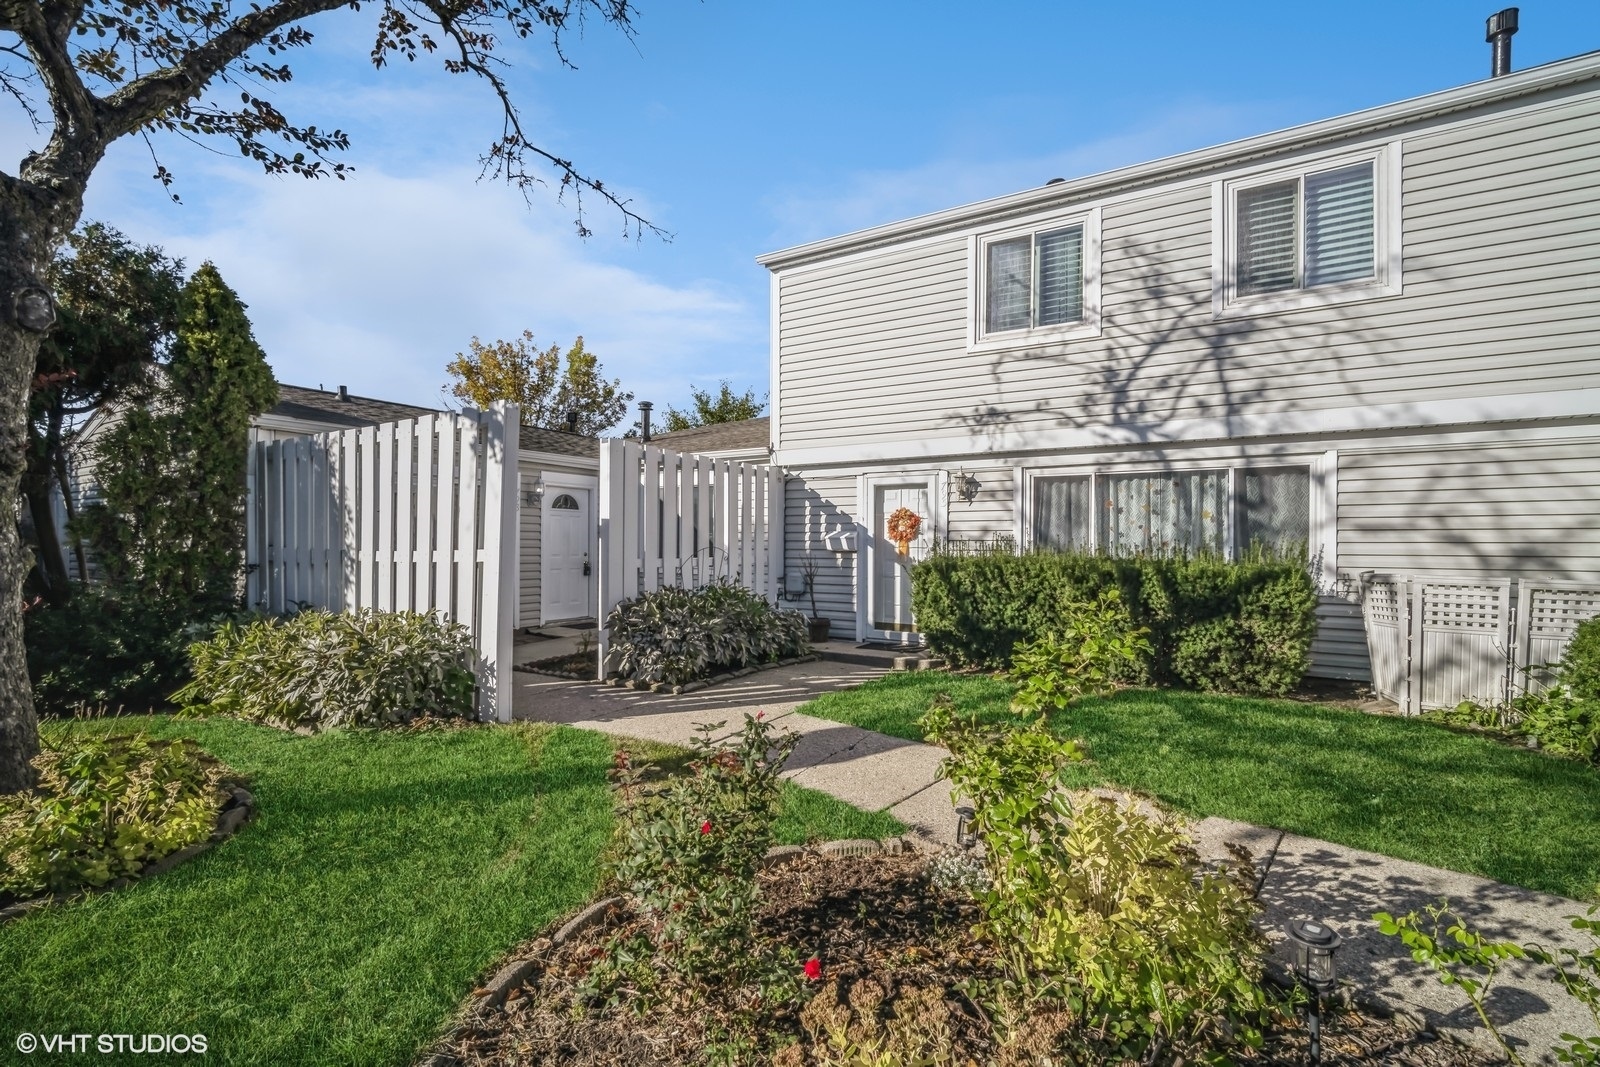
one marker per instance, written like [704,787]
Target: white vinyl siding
[1501,296]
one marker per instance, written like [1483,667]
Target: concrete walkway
[1303,878]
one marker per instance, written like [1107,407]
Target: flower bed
[894,961]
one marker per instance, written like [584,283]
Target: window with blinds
[1033,281]
[1317,229]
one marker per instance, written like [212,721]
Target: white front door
[889,588]
[565,568]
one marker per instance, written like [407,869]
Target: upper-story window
[1315,235]
[1037,285]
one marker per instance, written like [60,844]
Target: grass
[1402,787]
[384,874]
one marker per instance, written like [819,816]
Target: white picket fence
[418,515]
[1436,641]
[670,519]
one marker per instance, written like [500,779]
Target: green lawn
[1402,787]
[385,872]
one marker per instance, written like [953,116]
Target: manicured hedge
[1242,626]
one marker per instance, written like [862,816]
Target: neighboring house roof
[746,435]
[339,408]
[1480,94]
[559,442]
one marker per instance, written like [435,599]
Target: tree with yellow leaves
[536,379]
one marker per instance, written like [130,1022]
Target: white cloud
[376,282]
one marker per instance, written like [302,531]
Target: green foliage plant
[1463,958]
[709,409]
[1102,905]
[1230,625]
[1096,646]
[109,648]
[678,635]
[170,524]
[687,856]
[104,808]
[320,669]
[1579,974]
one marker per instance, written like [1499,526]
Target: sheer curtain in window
[1164,514]
[1061,514]
[1273,510]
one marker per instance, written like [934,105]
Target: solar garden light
[966,836]
[1313,945]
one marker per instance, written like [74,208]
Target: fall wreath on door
[902,528]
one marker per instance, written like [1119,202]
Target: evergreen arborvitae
[172,472]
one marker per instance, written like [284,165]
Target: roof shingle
[744,435]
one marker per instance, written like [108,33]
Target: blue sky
[741,127]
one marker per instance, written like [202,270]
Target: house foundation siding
[1510,500]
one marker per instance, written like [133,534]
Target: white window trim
[1321,519]
[977,267]
[1387,263]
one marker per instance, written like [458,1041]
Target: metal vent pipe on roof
[344,392]
[1497,31]
[644,419]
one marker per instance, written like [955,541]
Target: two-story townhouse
[1378,335]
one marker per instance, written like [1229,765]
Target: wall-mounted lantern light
[531,497]
[966,486]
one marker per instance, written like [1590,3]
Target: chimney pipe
[344,392]
[572,422]
[1497,31]
[644,419]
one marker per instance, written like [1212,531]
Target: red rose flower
[813,970]
[705,827]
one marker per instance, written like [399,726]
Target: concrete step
[889,659]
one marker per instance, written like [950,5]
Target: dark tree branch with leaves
[93,71]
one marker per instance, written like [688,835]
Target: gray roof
[560,442]
[317,405]
[744,435]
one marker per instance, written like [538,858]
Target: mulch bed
[873,919]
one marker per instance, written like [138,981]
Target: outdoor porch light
[966,837]
[966,486]
[535,494]
[1312,945]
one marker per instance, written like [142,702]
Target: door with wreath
[902,535]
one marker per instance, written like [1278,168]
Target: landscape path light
[966,837]
[1313,945]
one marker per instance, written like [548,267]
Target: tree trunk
[32,221]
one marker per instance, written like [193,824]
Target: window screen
[1164,514]
[1273,509]
[1062,515]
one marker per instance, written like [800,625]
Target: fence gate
[418,515]
[670,519]
[1386,604]
[1436,641]
[1548,614]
